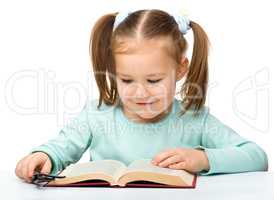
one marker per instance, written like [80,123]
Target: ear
[182,69]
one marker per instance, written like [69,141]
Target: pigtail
[102,59]
[195,86]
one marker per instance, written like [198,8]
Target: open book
[113,173]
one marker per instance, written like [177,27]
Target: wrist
[205,162]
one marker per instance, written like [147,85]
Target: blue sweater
[108,134]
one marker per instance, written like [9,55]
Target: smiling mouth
[142,104]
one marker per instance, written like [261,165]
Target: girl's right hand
[37,161]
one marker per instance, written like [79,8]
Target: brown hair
[148,24]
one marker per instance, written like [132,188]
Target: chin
[147,115]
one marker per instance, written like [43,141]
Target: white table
[253,185]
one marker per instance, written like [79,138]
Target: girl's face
[146,80]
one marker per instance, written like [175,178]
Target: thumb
[46,167]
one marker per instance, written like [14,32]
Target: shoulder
[191,112]
[191,121]
[92,107]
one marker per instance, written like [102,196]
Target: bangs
[130,46]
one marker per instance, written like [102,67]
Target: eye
[126,81]
[150,81]
[154,81]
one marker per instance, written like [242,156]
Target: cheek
[124,91]
[164,88]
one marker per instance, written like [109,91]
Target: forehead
[147,57]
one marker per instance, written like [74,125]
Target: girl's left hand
[192,160]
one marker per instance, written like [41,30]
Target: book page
[145,165]
[109,167]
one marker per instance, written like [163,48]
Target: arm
[227,151]
[69,146]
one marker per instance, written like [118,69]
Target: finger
[18,169]
[163,155]
[179,165]
[47,167]
[25,167]
[35,162]
[32,166]
[171,160]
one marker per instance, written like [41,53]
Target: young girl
[137,59]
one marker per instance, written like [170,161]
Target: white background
[46,78]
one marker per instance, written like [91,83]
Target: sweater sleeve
[69,146]
[227,151]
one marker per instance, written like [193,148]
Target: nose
[141,91]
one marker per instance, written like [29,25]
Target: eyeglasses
[41,180]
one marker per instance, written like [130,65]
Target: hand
[37,161]
[192,160]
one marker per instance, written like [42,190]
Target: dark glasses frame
[41,179]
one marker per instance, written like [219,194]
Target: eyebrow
[148,75]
